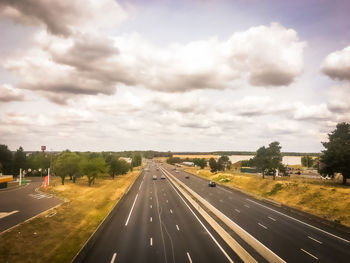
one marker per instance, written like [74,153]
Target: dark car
[212,184]
[187,176]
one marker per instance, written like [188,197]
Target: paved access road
[20,204]
[153,223]
[293,238]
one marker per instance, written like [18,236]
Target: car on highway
[162,177]
[177,171]
[212,184]
[154,177]
[187,176]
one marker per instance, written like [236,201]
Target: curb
[80,256]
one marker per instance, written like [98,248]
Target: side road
[19,204]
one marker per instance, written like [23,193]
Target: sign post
[48,176]
[20,176]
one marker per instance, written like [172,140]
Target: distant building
[188,163]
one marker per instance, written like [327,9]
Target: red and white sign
[43,148]
[45,183]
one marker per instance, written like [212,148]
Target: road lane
[284,236]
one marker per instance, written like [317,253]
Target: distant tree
[38,161]
[5,159]
[136,160]
[224,163]
[268,159]
[118,167]
[213,165]
[336,157]
[307,161]
[19,160]
[67,164]
[201,162]
[92,167]
[173,160]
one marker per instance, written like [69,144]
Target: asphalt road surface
[20,204]
[293,238]
[153,223]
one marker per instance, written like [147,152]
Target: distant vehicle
[157,169]
[177,171]
[187,176]
[212,184]
[162,177]
[154,177]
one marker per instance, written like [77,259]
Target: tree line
[201,162]
[72,165]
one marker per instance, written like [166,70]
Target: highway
[153,223]
[293,238]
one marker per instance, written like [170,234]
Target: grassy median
[58,237]
[329,200]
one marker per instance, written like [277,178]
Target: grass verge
[325,199]
[59,237]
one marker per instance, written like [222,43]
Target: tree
[92,167]
[19,160]
[5,159]
[67,164]
[224,163]
[173,160]
[268,159]
[307,161]
[38,161]
[213,165]
[118,167]
[136,160]
[201,162]
[336,156]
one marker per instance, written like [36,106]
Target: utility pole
[20,176]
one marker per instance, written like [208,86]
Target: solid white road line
[237,211]
[314,239]
[151,241]
[321,230]
[127,221]
[189,257]
[113,258]
[171,211]
[212,237]
[272,218]
[177,227]
[262,225]
[309,254]
[140,185]
[4,214]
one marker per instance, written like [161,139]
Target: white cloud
[91,63]
[337,64]
[311,112]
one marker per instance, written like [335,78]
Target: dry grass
[329,200]
[59,238]
[205,156]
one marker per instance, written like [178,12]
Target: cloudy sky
[194,75]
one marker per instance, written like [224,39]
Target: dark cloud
[8,94]
[271,77]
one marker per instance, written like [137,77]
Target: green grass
[329,200]
[59,238]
